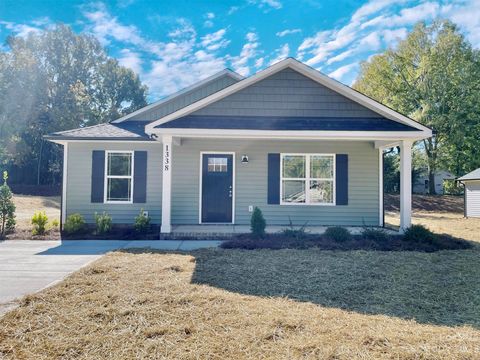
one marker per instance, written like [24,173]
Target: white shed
[471,182]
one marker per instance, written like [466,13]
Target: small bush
[338,233]
[103,222]
[75,223]
[419,233]
[257,223]
[54,224]
[297,234]
[39,222]
[374,234]
[142,222]
[7,208]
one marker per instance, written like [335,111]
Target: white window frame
[105,190]
[307,179]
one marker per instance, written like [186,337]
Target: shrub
[39,222]
[55,224]
[142,222]
[103,222]
[297,234]
[257,223]
[452,187]
[74,224]
[7,208]
[374,234]
[338,233]
[419,233]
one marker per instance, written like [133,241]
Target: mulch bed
[357,242]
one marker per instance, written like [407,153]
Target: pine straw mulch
[152,305]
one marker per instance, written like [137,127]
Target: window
[216,164]
[308,179]
[119,176]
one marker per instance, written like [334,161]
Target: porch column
[405,184]
[166,184]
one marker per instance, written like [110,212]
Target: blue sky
[172,44]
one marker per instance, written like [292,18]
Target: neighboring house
[421,184]
[288,139]
[471,181]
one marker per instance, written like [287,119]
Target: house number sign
[166,157]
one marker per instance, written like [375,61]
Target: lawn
[259,304]
[441,214]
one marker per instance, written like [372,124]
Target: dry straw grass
[151,305]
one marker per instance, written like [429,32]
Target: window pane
[118,189]
[321,192]
[293,166]
[321,167]
[120,164]
[217,164]
[293,191]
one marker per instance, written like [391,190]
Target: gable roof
[129,130]
[474,175]
[203,83]
[306,71]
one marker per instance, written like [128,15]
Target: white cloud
[266,5]
[131,60]
[288,32]
[35,26]
[209,19]
[466,15]
[248,52]
[215,41]
[391,37]
[282,53]
[259,62]
[342,56]
[342,71]
[370,42]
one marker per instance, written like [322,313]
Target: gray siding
[186,99]
[251,182]
[79,183]
[287,93]
[472,198]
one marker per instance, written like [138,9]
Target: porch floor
[227,229]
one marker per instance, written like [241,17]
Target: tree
[433,76]
[53,81]
[7,208]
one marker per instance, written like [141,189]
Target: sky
[173,44]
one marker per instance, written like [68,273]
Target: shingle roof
[474,175]
[129,130]
[285,123]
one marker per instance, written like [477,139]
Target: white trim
[106,177]
[380,187]
[405,184]
[167,164]
[306,71]
[64,185]
[175,95]
[292,135]
[307,179]
[103,141]
[200,182]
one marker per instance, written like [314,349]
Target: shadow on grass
[441,288]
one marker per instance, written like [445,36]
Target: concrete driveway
[28,266]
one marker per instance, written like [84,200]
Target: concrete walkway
[28,266]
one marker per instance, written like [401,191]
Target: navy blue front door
[217,188]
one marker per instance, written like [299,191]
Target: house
[290,140]
[421,183]
[471,182]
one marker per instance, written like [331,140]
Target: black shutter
[140,177]
[98,176]
[273,179]
[341,174]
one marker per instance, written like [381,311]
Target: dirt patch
[438,203]
[231,304]
[28,204]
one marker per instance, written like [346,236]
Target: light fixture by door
[244,159]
